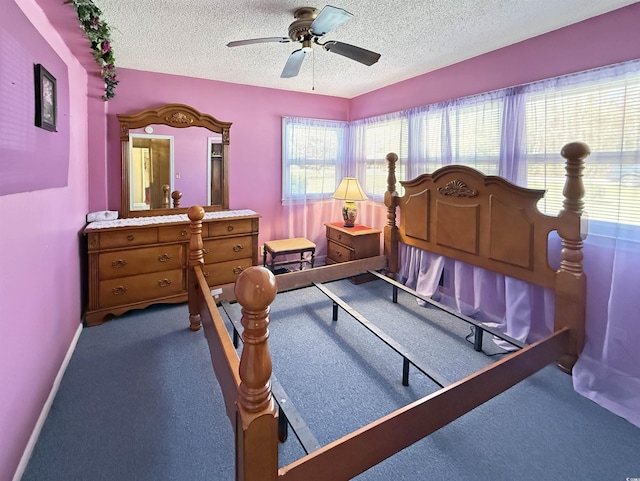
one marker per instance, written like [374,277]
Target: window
[381,138]
[474,135]
[604,113]
[312,157]
[427,132]
[516,133]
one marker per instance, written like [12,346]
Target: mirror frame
[174,115]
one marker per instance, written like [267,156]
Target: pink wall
[255,153]
[255,150]
[603,40]
[23,151]
[40,265]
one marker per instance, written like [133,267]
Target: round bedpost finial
[176,195]
[255,290]
[195,212]
[575,150]
[196,254]
[574,153]
[165,195]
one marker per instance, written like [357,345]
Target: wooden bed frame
[457,212]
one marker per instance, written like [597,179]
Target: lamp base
[349,213]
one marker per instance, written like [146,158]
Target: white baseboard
[45,409]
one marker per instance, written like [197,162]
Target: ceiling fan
[309,26]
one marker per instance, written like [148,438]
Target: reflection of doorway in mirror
[151,166]
[141,172]
[215,171]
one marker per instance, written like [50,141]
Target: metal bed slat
[451,311]
[392,343]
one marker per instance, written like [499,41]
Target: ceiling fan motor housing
[299,29]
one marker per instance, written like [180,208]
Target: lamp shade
[349,189]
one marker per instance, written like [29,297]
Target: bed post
[196,257]
[257,424]
[391,229]
[571,282]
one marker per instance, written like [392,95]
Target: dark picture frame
[46,99]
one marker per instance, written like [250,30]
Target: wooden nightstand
[351,243]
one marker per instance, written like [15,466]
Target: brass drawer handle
[338,254]
[339,236]
[131,237]
[238,247]
[119,263]
[238,270]
[164,282]
[183,232]
[119,290]
[205,274]
[164,257]
[230,227]
[205,251]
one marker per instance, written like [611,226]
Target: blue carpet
[139,400]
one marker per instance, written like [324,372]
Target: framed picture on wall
[46,101]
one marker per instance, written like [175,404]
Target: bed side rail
[224,357]
[245,383]
[358,451]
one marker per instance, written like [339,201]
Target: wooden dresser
[351,243]
[136,262]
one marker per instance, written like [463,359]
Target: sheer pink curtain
[601,108]
[314,153]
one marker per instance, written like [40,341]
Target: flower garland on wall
[98,33]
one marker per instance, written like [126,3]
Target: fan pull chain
[313,70]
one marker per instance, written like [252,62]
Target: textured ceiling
[189,37]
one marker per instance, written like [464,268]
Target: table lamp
[350,191]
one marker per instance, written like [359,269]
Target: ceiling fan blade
[239,43]
[328,19]
[358,54]
[292,67]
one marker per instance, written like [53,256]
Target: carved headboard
[488,222]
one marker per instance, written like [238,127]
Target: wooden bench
[298,245]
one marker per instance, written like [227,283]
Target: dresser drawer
[220,250]
[125,238]
[339,253]
[112,265]
[230,227]
[173,233]
[341,237]
[225,272]
[126,290]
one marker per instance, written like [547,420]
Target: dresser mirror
[173,152]
[150,170]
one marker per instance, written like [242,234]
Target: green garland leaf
[98,33]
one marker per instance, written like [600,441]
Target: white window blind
[606,115]
[313,157]
[380,138]
[426,137]
[475,135]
